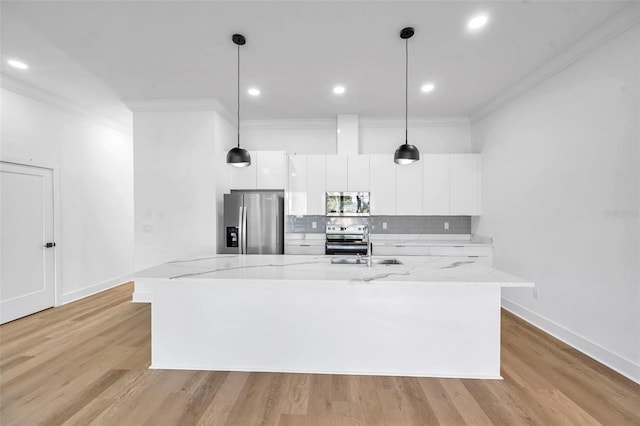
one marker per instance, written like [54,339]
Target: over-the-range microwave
[347,204]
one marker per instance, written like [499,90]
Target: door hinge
[49,245]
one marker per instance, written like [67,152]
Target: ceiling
[101,52]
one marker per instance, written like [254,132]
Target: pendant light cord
[406,92]
[238,96]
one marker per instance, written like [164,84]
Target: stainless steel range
[346,239]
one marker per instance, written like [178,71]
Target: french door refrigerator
[253,222]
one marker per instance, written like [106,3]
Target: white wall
[176,169]
[225,139]
[376,135]
[561,197]
[94,171]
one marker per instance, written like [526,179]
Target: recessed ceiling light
[17,64]
[477,22]
[253,91]
[426,88]
[339,90]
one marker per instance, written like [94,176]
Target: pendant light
[238,157]
[406,153]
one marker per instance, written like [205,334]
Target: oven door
[346,248]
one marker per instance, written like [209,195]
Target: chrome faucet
[367,236]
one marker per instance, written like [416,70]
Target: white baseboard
[91,290]
[604,356]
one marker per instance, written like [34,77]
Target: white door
[26,227]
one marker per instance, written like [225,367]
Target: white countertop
[423,270]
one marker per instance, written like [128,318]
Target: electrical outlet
[536,293]
[446,225]
[314,225]
[384,225]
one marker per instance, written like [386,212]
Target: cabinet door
[297,192]
[382,179]
[409,189]
[244,177]
[435,184]
[358,172]
[336,173]
[316,185]
[465,184]
[271,170]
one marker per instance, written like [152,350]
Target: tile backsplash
[394,224]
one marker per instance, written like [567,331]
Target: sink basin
[361,261]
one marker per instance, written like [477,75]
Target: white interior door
[26,227]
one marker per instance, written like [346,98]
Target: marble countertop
[423,270]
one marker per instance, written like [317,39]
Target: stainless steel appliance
[253,222]
[347,203]
[346,239]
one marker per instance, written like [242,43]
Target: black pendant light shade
[238,157]
[406,153]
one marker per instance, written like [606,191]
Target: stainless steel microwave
[347,203]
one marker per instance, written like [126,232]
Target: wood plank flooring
[85,363]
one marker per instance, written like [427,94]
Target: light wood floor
[86,363]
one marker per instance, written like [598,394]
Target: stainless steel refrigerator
[254,222]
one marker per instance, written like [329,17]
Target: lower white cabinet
[310,244]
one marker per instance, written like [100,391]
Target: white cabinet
[464,184]
[267,171]
[271,169]
[243,177]
[435,184]
[382,184]
[358,172]
[336,178]
[316,184]
[297,191]
[409,189]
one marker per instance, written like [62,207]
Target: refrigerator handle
[244,230]
[240,230]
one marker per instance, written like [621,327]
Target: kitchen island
[430,316]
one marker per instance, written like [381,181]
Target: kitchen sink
[362,261]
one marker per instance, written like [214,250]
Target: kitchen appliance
[346,239]
[254,222]
[347,204]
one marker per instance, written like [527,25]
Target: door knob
[49,245]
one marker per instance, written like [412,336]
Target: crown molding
[444,121]
[620,23]
[38,94]
[173,105]
[318,123]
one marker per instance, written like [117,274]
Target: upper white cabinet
[435,184]
[336,178]
[297,193]
[382,184]
[438,184]
[464,184]
[316,165]
[243,177]
[409,189]
[358,172]
[267,171]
